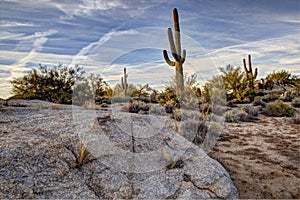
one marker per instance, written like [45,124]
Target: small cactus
[250,76]
[124,82]
[175,47]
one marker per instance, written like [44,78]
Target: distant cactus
[176,52]
[250,76]
[124,83]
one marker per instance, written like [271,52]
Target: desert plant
[250,77]
[157,110]
[283,77]
[251,111]
[193,130]
[124,83]
[179,115]
[235,83]
[296,102]
[231,117]
[279,109]
[214,91]
[142,91]
[258,101]
[138,107]
[272,95]
[295,119]
[83,152]
[175,48]
[53,84]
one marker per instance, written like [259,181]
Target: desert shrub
[231,117]
[243,116]
[235,83]
[279,109]
[193,130]
[119,99]
[272,96]
[53,84]
[157,110]
[179,115]
[283,77]
[251,111]
[214,91]
[258,101]
[295,119]
[219,110]
[296,102]
[189,98]
[138,107]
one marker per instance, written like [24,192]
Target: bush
[193,130]
[179,115]
[51,84]
[296,102]
[272,96]
[138,107]
[279,109]
[251,111]
[258,101]
[231,117]
[157,110]
[118,99]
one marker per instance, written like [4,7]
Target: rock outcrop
[130,156]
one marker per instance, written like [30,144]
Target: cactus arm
[183,56]
[168,61]
[172,44]
[255,73]
[245,67]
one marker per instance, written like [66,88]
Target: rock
[130,156]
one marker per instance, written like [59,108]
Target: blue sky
[106,35]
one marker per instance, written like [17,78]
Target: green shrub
[53,84]
[279,109]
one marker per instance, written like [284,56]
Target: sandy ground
[262,157]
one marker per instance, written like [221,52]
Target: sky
[105,36]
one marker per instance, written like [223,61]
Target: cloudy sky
[106,35]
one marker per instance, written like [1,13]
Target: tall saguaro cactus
[175,48]
[124,82]
[250,76]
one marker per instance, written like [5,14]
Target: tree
[53,84]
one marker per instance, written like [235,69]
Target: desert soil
[262,157]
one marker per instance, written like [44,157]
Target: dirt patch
[263,157]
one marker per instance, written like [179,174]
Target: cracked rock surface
[130,157]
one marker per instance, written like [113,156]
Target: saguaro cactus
[250,76]
[124,82]
[176,52]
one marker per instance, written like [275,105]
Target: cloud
[13,24]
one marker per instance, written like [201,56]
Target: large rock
[131,156]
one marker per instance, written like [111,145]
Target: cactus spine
[124,82]
[250,76]
[175,48]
